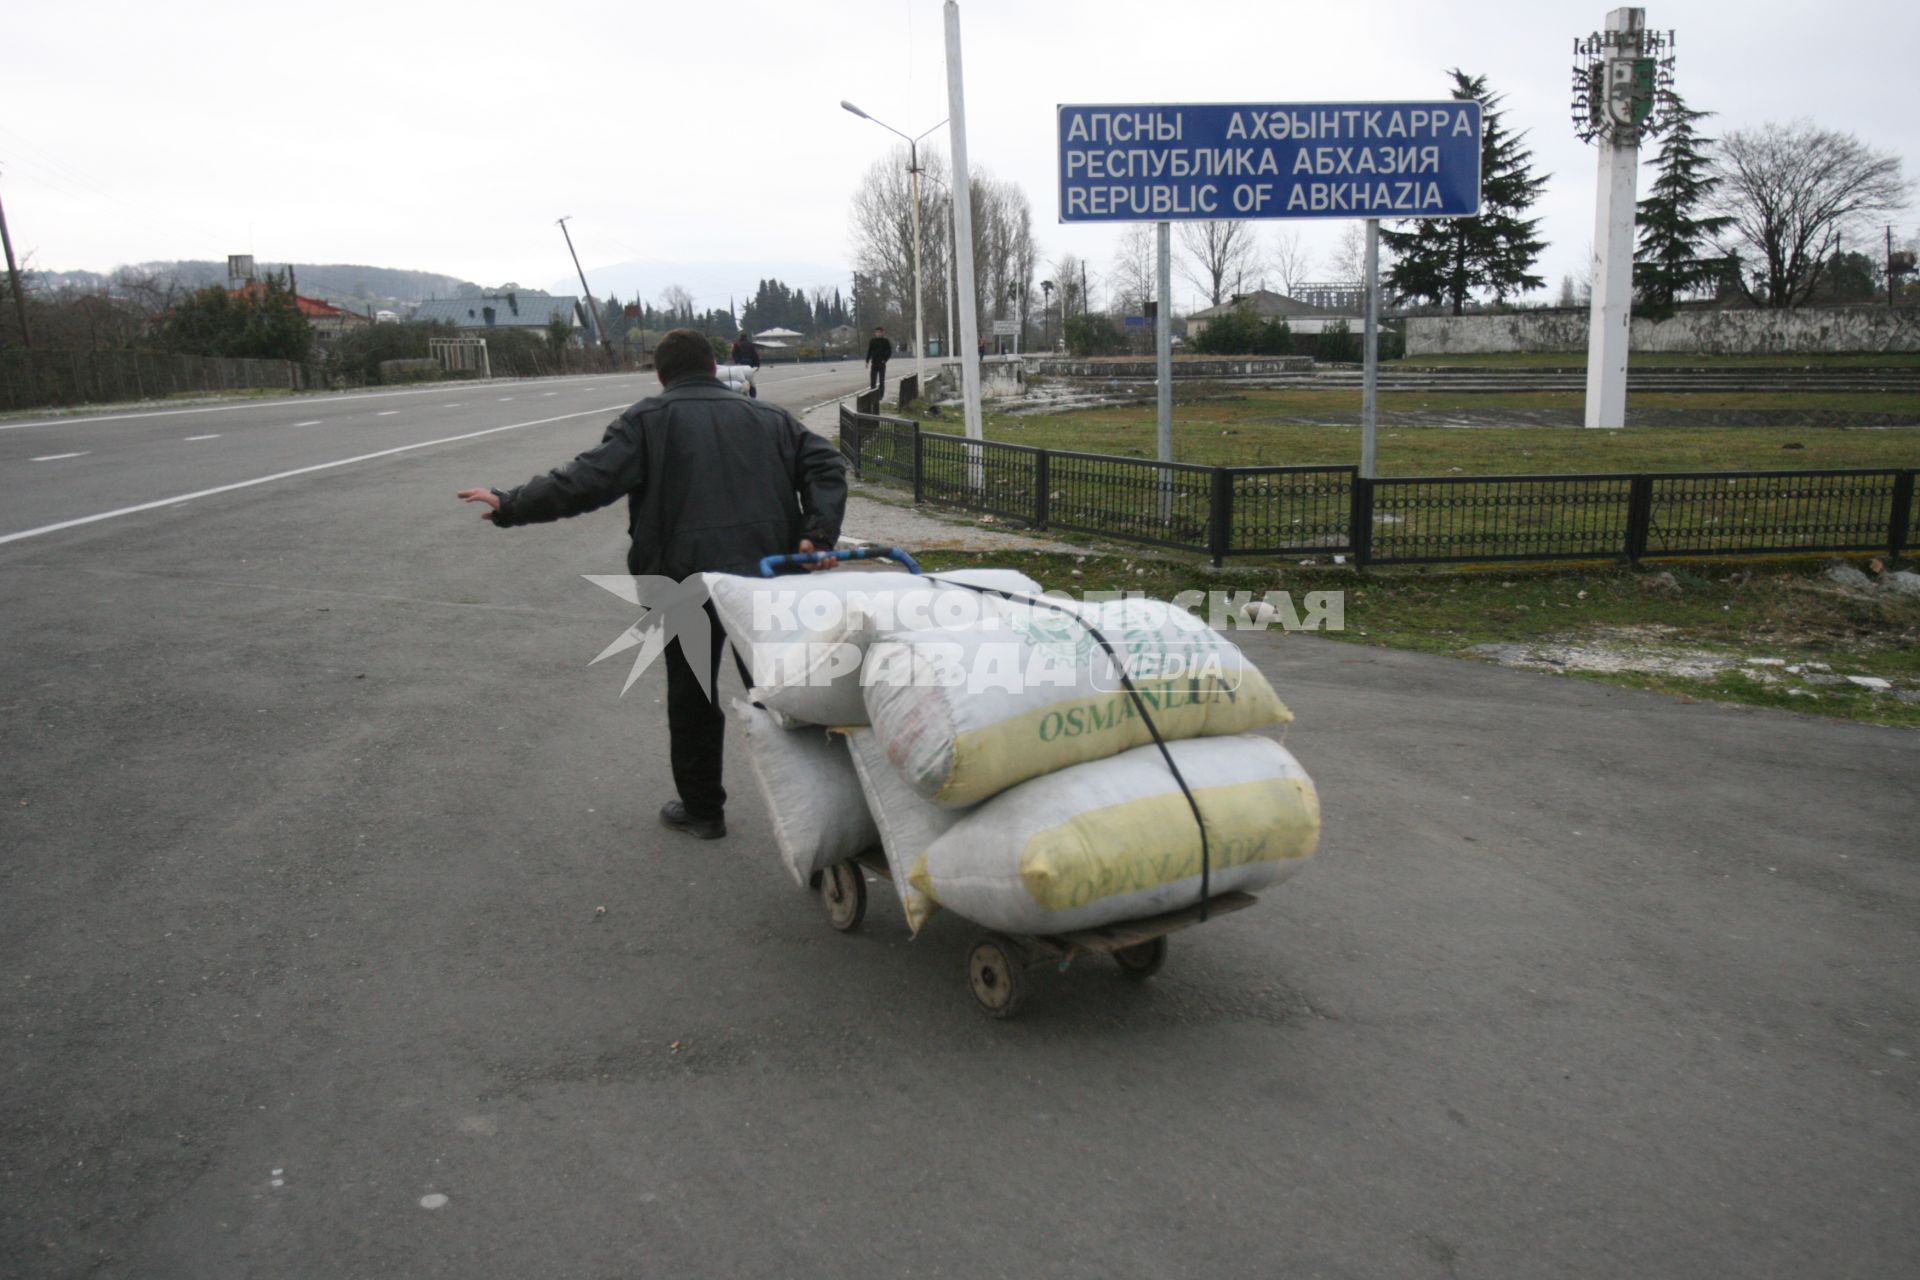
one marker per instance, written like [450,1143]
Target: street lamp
[1046,313]
[913,167]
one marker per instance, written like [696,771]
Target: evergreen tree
[1668,264]
[1444,260]
[261,321]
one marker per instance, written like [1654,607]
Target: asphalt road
[312,802]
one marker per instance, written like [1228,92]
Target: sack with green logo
[967,712]
[1116,839]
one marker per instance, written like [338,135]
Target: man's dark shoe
[674,817]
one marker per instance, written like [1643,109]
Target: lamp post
[913,167]
[1046,313]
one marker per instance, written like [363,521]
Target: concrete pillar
[1612,278]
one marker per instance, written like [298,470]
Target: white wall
[1800,331]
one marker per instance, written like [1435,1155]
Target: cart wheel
[1143,959]
[995,975]
[844,889]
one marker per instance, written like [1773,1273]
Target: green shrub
[1092,335]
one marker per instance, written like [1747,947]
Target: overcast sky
[449,137]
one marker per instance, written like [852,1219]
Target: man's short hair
[680,353]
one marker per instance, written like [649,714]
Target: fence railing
[29,379]
[1325,510]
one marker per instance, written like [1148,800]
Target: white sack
[1116,839]
[803,636]
[908,823]
[808,782]
[968,712]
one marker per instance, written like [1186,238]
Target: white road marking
[549,393]
[292,402]
[386,413]
[55,457]
[455,405]
[504,399]
[311,422]
[191,439]
[179,499]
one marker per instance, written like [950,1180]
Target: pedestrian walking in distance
[713,482]
[879,351]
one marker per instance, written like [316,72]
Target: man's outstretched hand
[818,565]
[486,497]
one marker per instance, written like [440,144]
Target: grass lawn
[1689,629]
[1262,428]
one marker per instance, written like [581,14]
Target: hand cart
[997,963]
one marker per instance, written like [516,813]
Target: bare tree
[883,232]
[1347,262]
[1004,252]
[1218,257]
[1068,273]
[1132,279]
[677,302]
[1793,191]
[1289,261]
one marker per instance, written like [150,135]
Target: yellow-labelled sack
[966,713]
[1116,839]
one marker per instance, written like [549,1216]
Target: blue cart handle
[769,563]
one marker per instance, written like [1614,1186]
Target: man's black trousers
[878,378]
[697,726]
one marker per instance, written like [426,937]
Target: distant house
[514,309]
[1301,317]
[842,336]
[327,321]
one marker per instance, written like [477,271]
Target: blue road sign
[1138,322]
[1264,160]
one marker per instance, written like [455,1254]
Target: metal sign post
[1163,360]
[1370,354]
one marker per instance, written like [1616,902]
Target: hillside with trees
[341,283]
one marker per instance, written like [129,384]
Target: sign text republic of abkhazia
[1303,160]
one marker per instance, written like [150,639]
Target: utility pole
[20,298]
[963,232]
[593,309]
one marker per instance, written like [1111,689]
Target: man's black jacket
[879,351]
[713,481]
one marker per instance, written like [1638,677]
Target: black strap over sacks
[1139,705]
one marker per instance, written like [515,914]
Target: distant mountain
[357,286]
[710,283]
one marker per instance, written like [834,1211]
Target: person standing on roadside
[713,482]
[745,352]
[879,351]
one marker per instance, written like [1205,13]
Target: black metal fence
[1284,511]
